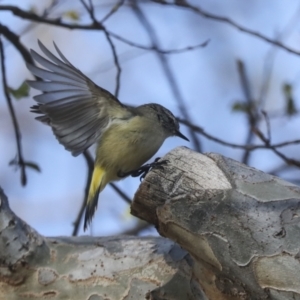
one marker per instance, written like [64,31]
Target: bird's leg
[143,170]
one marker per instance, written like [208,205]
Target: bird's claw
[143,170]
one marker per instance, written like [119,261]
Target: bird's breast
[126,145]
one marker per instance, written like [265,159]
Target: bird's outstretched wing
[76,108]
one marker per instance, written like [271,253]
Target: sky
[207,79]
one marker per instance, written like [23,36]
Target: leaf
[15,162]
[72,14]
[290,107]
[21,92]
[32,165]
[240,107]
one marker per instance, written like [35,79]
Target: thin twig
[252,116]
[155,48]
[116,61]
[266,144]
[124,196]
[57,22]
[39,19]
[289,161]
[201,12]
[114,9]
[90,10]
[90,165]
[15,40]
[270,58]
[19,159]
[49,9]
[167,69]
[232,145]
[264,113]
[94,26]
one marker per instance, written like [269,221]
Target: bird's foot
[143,170]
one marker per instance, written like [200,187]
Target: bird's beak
[179,134]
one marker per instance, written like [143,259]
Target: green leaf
[290,107]
[240,107]
[21,92]
[72,14]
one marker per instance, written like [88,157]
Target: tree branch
[238,223]
[167,70]
[33,266]
[15,40]
[249,147]
[201,12]
[251,108]
[19,161]
[116,61]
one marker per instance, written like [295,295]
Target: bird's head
[166,119]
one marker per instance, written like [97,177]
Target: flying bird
[82,113]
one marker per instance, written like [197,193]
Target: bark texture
[241,226]
[123,267]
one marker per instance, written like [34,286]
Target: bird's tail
[96,186]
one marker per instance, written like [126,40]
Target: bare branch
[57,22]
[268,126]
[269,59]
[201,12]
[90,166]
[114,9]
[90,9]
[94,26]
[15,40]
[19,161]
[155,48]
[124,196]
[289,161]
[167,69]
[251,114]
[248,147]
[40,19]
[116,61]
[49,9]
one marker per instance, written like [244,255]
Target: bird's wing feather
[76,108]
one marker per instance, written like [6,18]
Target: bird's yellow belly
[122,149]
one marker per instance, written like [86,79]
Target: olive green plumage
[81,113]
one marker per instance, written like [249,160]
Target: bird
[81,114]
